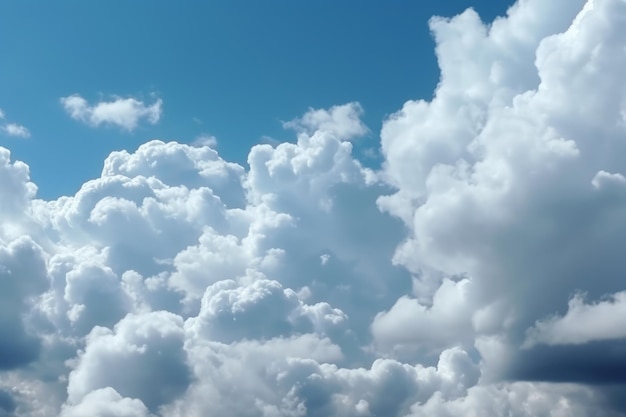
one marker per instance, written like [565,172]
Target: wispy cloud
[125,113]
[13,129]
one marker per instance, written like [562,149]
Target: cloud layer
[449,282]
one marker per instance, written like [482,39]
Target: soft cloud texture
[305,284]
[521,195]
[106,402]
[125,113]
[582,323]
[13,129]
[16,190]
[343,120]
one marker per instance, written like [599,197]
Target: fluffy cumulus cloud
[16,189]
[478,272]
[125,113]
[14,129]
[582,323]
[518,201]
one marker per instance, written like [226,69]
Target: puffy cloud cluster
[125,113]
[449,282]
[582,323]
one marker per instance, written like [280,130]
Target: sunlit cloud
[125,113]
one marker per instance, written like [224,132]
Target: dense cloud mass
[478,272]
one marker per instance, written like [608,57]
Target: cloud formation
[582,323]
[125,113]
[13,129]
[446,283]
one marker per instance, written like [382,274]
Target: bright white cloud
[13,129]
[206,140]
[125,113]
[512,178]
[106,402]
[16,190]
[20,259]
[142,357]
[435,327]
[181,284]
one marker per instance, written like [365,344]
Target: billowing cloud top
[477,273]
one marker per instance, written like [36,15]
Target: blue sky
[231,69]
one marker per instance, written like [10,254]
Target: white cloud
[289,377]
[106,402]
[171,222]
[23,276]
[343,121]
[125,113]
[142,357]
[435,327]
[515,400]
[261,310]
[13,129]
[605,179]
[206,140]
[582,323]
[16,190]
[181,284]
[512,178]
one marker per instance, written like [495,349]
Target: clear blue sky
[232,69]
